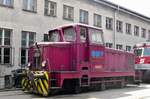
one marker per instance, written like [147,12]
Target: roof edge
[123,9]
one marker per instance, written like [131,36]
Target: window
[109,23]
[84,16]
[68,12]
[118,46]
[28,38]
[54,36]
[138,52]
[30,5]
[46,38]
[82,34]
[5,46]
[69,34]
[96,36]
[97,20]
[128,28]
[50,8]
[146,52]
[136,30]
[148,34]
[143,33]
[8,3]
[110,45]
[128,48]
[119,26]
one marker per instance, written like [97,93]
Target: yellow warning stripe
[38,87]
[41,84]
[29,85]
[23,80]
[43,88]
[25,84]
[46,84]
[46,75]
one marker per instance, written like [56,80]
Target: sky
[140,6]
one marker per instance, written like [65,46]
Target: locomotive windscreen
[54,36]
[146,52]
[69,34]
[142,52]
[138,52]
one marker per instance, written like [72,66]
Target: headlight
[44,63]
[29,64]
[142,61]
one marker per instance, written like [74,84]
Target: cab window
[54,36]
[96,36]
[69,34]
[146,52]
[82,34]
[138,52]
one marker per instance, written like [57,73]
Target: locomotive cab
[142,60]
[67,48]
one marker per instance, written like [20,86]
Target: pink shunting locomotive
[74,58]
[142,60]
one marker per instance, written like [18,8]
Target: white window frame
[148,34]
[109,45]
[97,20]
[119,46]
[136,30]
[49,10]
[109,23]
[26,47]
[8,3]
[143,32]
[3,46]
[30,5]
[128,48]
[84,16]
[128,28]
[119,26]
[68,12]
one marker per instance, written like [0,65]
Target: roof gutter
[122,9]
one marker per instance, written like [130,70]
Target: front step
[84,82]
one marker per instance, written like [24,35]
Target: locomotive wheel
[97,87]
[122,83]
[77,89]
[103,86]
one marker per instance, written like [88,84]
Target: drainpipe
[114,36]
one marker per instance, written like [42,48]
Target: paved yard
[130,92]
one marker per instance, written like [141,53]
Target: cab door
[96,49]
[84,49]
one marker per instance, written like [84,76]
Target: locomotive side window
[69,34]
[54,36]
[96,36]
[146,52]
[138,52]
[82,34]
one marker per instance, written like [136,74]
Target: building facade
[23,22]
